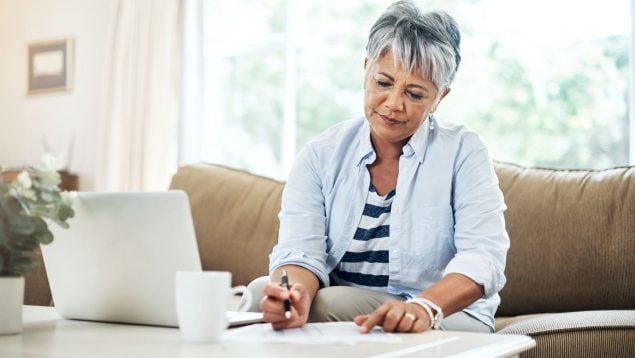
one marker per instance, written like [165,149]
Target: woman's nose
[394,101]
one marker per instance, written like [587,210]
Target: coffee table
[46,334]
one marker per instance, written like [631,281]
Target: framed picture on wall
[50,66]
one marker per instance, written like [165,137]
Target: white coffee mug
[201,303]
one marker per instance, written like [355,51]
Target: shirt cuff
[480,269]
[291,257]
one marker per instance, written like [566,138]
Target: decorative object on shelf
[69,181]
[50,66]
[26,205]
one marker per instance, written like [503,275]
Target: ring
[410,316]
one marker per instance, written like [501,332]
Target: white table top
[47,334]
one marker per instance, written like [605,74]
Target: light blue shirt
[447,215]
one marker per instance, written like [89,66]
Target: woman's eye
[415,96]
[384,84]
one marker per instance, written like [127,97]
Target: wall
[59,117]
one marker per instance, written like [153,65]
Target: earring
[431,120]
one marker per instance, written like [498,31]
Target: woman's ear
[445,93]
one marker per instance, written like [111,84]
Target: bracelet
[429,306]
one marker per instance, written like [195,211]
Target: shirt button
[408,151]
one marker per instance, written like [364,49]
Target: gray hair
[423,43]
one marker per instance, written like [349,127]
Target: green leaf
[24,264]
[27,243]
[15,238]
[64,212]
[12,205]
[63,224]
[47,196]
[42,211]
[21,224]
[47,180]
[39,224]
[45,237]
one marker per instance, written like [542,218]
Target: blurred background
[157,84]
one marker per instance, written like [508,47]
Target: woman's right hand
[272,305]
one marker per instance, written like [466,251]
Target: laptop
[117,261]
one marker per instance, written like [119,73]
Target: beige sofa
[570,269]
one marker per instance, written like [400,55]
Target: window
[544,83]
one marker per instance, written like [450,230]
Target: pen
[287,302]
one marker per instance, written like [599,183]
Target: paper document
[237,318]
[310,333]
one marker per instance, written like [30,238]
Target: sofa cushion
[572,239]
[235,218]
[537,324]
[575,334]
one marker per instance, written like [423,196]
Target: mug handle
[247,297]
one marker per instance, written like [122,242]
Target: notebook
[117,261]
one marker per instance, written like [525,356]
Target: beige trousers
[343,303]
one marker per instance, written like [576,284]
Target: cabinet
[70,182]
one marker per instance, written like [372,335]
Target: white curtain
[632,86]
[192,124]
[140,126]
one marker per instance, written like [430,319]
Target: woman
[395,219]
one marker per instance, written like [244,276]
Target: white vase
[11,297]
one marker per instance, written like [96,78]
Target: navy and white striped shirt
[365,263]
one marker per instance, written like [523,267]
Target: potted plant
[27,206]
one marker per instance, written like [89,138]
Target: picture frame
[50,66]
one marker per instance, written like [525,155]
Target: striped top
[365,263]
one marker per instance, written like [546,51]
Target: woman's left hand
[395,316]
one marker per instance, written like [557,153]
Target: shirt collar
[417,145]
[365,150]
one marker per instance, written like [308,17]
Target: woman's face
[396,102]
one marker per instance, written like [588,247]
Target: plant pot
[11,298]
